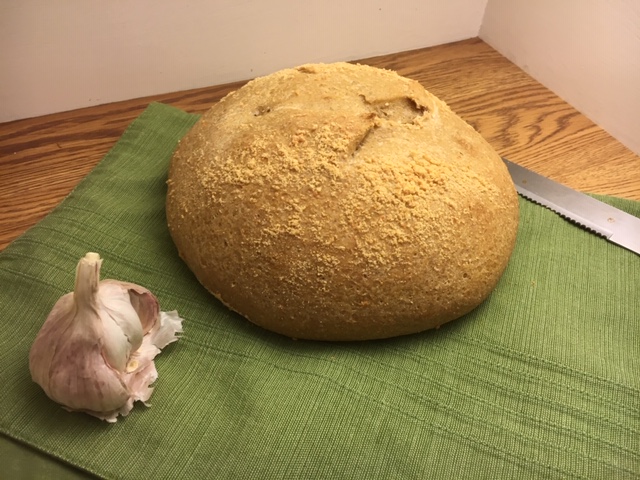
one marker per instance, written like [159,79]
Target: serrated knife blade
[612,223]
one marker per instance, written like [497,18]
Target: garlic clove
[58,322]
[123,330]
[95,351]
[84,381]
[143,301]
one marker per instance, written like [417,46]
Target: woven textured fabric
[541,381]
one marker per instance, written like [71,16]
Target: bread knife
[615,225]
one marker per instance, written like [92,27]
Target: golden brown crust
[341,202]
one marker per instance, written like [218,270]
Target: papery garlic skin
[95,351]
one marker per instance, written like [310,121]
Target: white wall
[586,51]
[64,54]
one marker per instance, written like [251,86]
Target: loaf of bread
[341,202]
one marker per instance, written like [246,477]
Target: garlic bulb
[95,351]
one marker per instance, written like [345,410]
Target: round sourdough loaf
[341,202]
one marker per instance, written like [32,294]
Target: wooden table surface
[43,158]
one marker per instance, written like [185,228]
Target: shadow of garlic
[95,351]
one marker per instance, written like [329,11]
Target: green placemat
[541,381]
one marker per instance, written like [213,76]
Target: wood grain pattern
[42,159]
